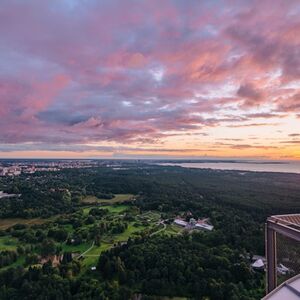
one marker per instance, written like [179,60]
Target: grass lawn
[8,243]
[86,210]
[111,208]
[91,257]
[118,198]
[173,229]
[68,228]
[123,237]
[89,261]
[96,250]
[115,208]
[150,216]
[76,248]
[6,223]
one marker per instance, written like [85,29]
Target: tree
[48,247]
[31,259]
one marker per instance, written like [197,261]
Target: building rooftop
[290,220]
[289,290]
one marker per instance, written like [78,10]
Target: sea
[256,166]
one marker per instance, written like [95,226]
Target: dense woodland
[198,265]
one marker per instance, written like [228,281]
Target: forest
[59,245]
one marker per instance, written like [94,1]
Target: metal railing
[282,249]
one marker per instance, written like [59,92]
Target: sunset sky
[156,78]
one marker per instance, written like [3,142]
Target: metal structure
[289,290]
[279,227]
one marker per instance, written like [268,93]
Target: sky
[150,79]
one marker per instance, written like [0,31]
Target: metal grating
[287,257]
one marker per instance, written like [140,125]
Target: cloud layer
[141,73]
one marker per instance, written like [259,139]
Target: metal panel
[271,258]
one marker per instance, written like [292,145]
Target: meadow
[9,222]
[118,198]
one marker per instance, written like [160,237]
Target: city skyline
[150,79]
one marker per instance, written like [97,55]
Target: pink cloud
[114,71]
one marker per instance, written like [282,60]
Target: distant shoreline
[241,166]
[201,161]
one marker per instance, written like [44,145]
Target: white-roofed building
[289,290]
[180,222]
[258,264]
[193,224]
[282,269]
[204,226]
[5,195]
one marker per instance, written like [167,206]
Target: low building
[289,290]
[204,226]
[283,270]
[180,222]
[258,265]
[5,195]
[3,172]
[193,224]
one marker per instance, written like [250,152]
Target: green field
[142,222]
[108,241]
[111,208]
[174,229]
[76,248]
[116,208]
[131,230]
[118,198]
[92,256]
[150,216]
[8,243]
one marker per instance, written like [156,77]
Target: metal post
[271,258]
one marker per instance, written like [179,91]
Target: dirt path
[86,251]
[156,232]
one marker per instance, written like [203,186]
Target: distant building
[5,195]
[193,224]
[204,226]
[3,172]
[283,270]
[180,222]
[258,265]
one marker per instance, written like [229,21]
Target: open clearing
[174,229]
[6,223]
[118,198]
[8,243]
[111,208]
[92,255]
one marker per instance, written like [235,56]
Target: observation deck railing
[282,249]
